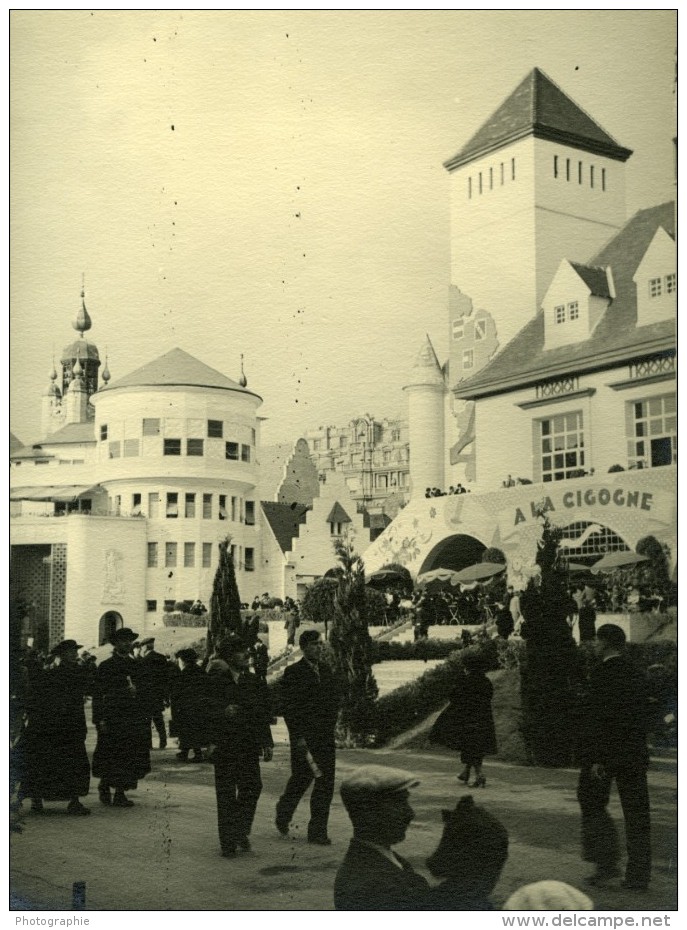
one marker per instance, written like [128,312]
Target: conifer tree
[351,648]
[225,603]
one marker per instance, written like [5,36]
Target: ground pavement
[163,853]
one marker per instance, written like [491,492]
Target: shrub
[385,651]
[615,468]
[179,618]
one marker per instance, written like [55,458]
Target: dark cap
[187,655]
[230,645]
[65,646]
[376,781]
[123,635]
[147,642]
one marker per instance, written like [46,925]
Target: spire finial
[83,320]
[106,371]
[243,381]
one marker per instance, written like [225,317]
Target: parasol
[479,572]
[613,560]
[386,576]
[437,578]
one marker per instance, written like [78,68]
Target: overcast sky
[272,183]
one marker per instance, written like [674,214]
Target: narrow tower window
[579,172]
[591,175]
[491,179]
[603,179]
[567,169]
[555,166]
[470,188]
[480,182]
[502,173]
[512,169]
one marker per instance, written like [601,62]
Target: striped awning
[64,493]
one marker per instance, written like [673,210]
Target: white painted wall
[426,432]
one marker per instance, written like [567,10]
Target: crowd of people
[454,489]
[221,712]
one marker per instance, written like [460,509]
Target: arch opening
[109,622]
[454,553]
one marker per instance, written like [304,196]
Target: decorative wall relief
[113,581]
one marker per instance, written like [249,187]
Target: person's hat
[147,642]
[473,841]
[187,655]
[231,644]
[123,635]
[65,646]
[548,896]
[376,780]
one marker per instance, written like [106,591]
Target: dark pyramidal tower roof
[539,107]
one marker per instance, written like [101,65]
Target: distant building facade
[373,457]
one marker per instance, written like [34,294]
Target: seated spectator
[470,857]
[548,896]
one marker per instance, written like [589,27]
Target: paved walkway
[163,853]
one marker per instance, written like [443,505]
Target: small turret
[426,389]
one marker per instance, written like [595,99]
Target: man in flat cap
[311,705]
[239,725]
[156,693]
[55,764]
[122,752]
[372,877]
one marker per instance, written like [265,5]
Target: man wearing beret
[372,877]
[239,725]
[56,766]
[122,752]
[311,706]
[156,686]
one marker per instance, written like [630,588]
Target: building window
[117,504]
[170,555]
[480,330]
[512,169]
[172,509]
[335,529]
[169,606]
[152,555]
[491,179]
[190,506]
[479,181]
[153,506]
[223,506]
[130,448]
[567,169]
[560,313]
[172,447]
[316,445]
[591,175]
[671,283]
[234,508]
[468,359]
[194,447]
[652,439]
[249,559]
[103,432]
[215,429]
[231,451]
[189,554]
[115,449]
[253,435]
[343,442]
[502,174]
[458,328]
[250,513]
[654,287]
[151,607]
[207,555]
[245,453]
[135,505]
[603,179]
[469,188]
[561,446]
[555,166]
[151,426]
[596,542]
[579,172]
[573,310]
[207,506]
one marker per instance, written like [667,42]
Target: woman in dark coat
[189,700]
[55,764]
[467,723]
[120,713]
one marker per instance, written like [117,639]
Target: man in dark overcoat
[189,694]
[239,716]
[156,686]
[614,747]
[55,764]
[122,752]
[372,877]
[311,706]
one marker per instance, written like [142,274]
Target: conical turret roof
[540,108]
[426,368]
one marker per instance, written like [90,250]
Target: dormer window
[655,287]
[671,283]
[458,328]
[480,330]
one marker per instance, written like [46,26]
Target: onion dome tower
[83,351]
[51,405]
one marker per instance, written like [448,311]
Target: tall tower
[539,181]
[426,388]
[83,351]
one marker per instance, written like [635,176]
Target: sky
[271,183]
